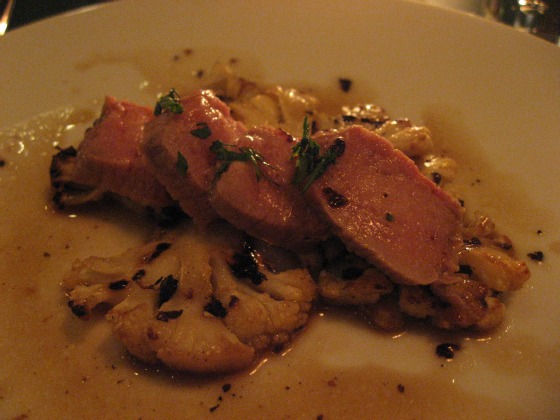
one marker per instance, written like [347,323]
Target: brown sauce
[55,365]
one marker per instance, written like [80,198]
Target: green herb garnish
[202,131]
[224,153]
[389,217]
[182,165]
[169,102]
[307,153]
[310,165]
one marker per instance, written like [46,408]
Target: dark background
[28,11]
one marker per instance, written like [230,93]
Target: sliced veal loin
[385,210]
[188,135]
[109,157]
[269,208]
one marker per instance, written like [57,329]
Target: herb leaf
[202,131]
[167,288]
[165,316]
[310,165]
[306,152]
[169,102]
[244,154]
[215,307]
[182,165]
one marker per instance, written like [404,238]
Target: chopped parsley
[345,84]
[536,256]
[118,285]
[245,265]
[202,131]
[226,155]
[161,247]
[389,217]
[215,307]
[182,165]
[167,288]
[165,316]
[310,165]
[307,153]
[169,102]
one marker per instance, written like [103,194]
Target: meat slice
[109,158]
[268,207]
[177,146]
[384,210]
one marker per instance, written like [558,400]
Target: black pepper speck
[447,350]
[345,84]
[536,256]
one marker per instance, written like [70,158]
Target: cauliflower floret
[440,169]
[256,105]
[368,115]
[385,314]
[181,302]
[276,106]
[264,314]
[490,258]
[68,193]
[130,320]
[179,333]
[460,303]
[346,279]
[413,141]
[417,301]
[96,280]
[365,289]
[470,298]
[495,268]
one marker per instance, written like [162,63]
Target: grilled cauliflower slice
[263,314]
[181,301]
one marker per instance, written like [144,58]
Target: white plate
[490,94]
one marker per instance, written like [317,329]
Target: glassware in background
[538,17]
[29,11]
[469,6]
